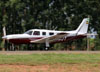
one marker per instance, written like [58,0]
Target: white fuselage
[36,34]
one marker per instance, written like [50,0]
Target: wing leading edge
[50,38]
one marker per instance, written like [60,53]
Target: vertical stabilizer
[83,27]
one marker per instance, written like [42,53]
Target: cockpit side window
[43,33]
[51,33]
[36,33]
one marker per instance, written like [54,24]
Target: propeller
[4,31]
[4,34]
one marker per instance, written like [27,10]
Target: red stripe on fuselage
[27,40]
[69,38]
[23,40]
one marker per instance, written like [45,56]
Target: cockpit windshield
[28,32]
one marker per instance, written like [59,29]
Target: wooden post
[3,47]
[88,43]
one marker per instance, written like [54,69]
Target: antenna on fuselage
[55,28]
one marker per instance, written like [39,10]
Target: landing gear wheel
[47,48]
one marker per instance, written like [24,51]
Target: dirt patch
[51,68]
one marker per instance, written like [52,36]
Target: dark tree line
[19,16]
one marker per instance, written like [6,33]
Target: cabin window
[36,33]
[29,32]
[43,33]
[51,33]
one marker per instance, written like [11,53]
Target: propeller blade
[4,31]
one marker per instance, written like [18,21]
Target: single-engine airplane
[48,36]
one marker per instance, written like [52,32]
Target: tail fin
[83,27]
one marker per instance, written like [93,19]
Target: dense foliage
[21,15]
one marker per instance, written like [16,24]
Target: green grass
[37,59]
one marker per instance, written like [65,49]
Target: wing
[51,38]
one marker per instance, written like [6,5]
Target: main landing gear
[47,45]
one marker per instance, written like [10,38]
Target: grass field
[35,59]
[64,62]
